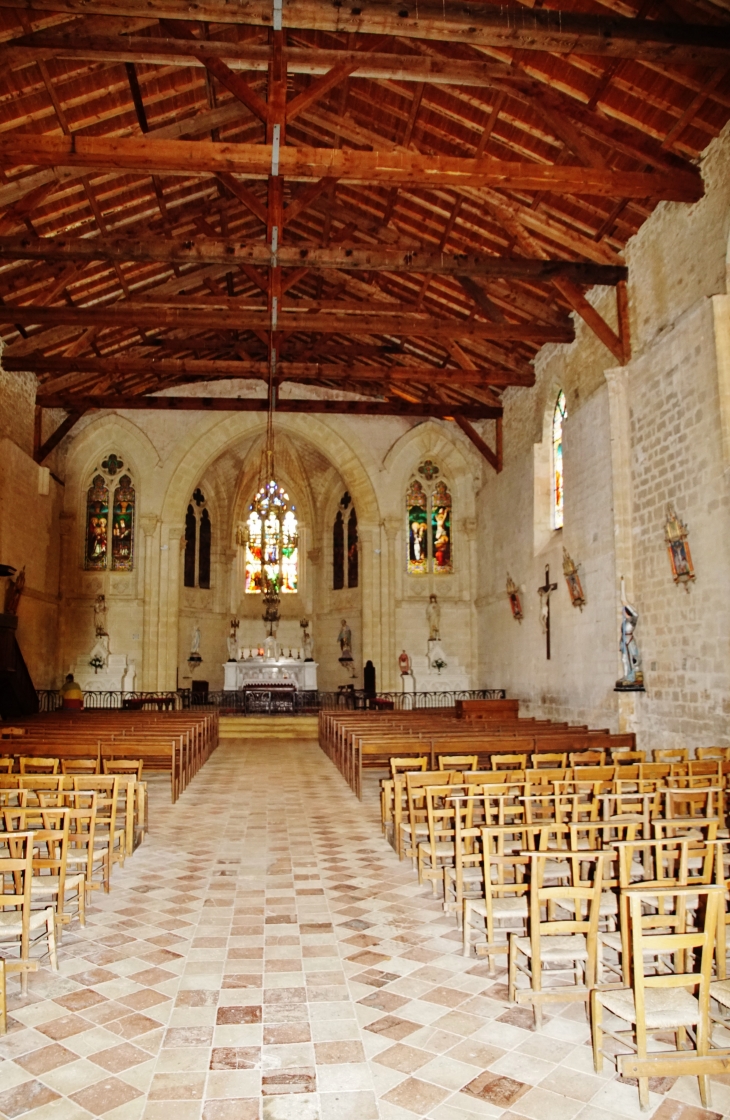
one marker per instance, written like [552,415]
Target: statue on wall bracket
[633,678]
[680,557]
[575,588]
[513,594]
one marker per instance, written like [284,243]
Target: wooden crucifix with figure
[545,592]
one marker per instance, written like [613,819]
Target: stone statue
[630,655]
[307,646]
[195,645]
[404,664]
[345,639]
[433,617]
[232,643]
[100,609]
[13,591]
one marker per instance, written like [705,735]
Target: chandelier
[272,533]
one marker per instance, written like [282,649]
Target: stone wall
[651,433]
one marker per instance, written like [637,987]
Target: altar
[263,672]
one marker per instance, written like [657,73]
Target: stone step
[268,727]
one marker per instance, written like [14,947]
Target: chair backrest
[587,758]
[16,879]
[691,803]
[627,758]
[667,921]
[671,754]
[130,767]
[6,765]
[32,765]
[509,761]
[458,761]
[401,765]
[551,760]
[79,766]
[721,753]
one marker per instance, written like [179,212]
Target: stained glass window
[191,528]
[204,554]
[338,552]
[123,526]
[97,523]
[416,505]
[441,528]
[560,413]
[352,550]
[272,543]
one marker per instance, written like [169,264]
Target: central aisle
[264,956]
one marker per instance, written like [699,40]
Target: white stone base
[260,671]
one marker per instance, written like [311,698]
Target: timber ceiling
[401,201]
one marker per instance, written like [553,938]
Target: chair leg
[704,1087]
[466,930]
[537,1012]
[597,1033]
[512,969]
[51,931]
[644,1093]
[3,999]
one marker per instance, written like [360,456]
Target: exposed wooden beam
[156,317]
[286,404]
[145,154]
[202,250]
[170,51]
[233,82]
[319,88]
[593,318]
[42,452]
[536,29]
[494,459]
[201,368]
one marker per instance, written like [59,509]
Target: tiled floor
[264,955]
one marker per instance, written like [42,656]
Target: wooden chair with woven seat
[463,877]
[125,767]
[437,848]
[51,879]
[662,925]
[721,754]
[6,765]
[107,834]
[569,944]
[415,825]
[20,925]
[503,907]
[654,865]
[398,766]
[30,765]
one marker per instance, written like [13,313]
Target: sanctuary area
[364,536]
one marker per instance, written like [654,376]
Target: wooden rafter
[255,160]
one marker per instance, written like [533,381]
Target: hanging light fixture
[272,528]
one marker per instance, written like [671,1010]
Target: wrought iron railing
[50,700]
[269,701]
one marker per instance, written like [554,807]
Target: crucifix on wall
[544,592]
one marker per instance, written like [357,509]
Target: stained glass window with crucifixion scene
[560,413]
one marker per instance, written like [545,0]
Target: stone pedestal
[118,675]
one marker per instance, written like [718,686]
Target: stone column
[170,562]
[370,583]
[721,317]
[617,380]
[468,530]
[68,567]
[388,563]
[147,672]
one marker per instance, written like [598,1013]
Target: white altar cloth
[301,675]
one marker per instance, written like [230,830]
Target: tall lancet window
[338,553]
[97,523]
[272,542]
[109,525]
[204,552]
[198,541]
[353,566]
[560,413]
[191,532]
[430,534]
